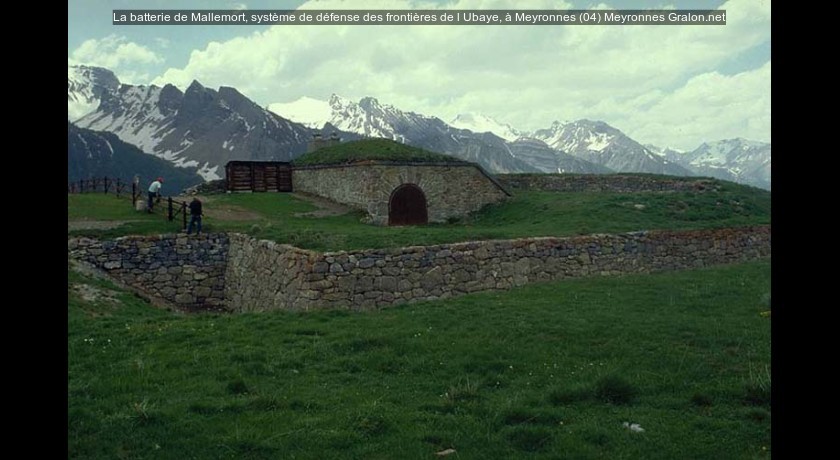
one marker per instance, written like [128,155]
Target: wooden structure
[258,176]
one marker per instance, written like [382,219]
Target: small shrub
[615,390]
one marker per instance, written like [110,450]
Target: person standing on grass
[154,192]
[196,212]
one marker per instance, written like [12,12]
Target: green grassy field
[543,371]
[527,213]
[548,370]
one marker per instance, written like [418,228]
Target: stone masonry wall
[452,190]
[264,275]
[239,273]
[186,270]
[624,183]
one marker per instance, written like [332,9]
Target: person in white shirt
[154,192]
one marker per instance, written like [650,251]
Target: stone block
[184,299]
[432,279]
[385,283]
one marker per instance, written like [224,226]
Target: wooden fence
[98,184]
[117,186]
[172,213]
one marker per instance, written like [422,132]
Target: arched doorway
[407,206]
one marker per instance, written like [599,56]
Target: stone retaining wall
[239,273]
[623,183]
[263,275]
[186,270]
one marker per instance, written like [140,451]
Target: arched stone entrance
[407,206]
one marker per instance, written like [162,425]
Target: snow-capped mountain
[367,117]
[537,153]
[85,87]
[600,143]
[672,155]
[478,123]
[204,128]
[97,154]
[200,127]
[739,160]
[370,118]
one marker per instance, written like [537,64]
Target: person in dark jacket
[196,212]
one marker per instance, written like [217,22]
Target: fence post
[171,217]
[81,186]
[117,188]
[134,195]
[184,212]
[105,181]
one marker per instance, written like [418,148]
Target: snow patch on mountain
[597,141]
[725,152]
[85,87]
[479,123]
[602,144]
[209,172]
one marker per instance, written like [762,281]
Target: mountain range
[100,154]
[737,160]
[203,128]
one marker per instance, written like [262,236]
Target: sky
[671,86]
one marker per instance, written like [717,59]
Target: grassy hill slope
[544,371]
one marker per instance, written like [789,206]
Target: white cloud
[114,51]
[634,77]
[118,54]
[728,106]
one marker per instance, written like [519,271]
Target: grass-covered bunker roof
[366,150]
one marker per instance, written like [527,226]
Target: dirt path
[216,210]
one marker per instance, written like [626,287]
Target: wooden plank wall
[258,177]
